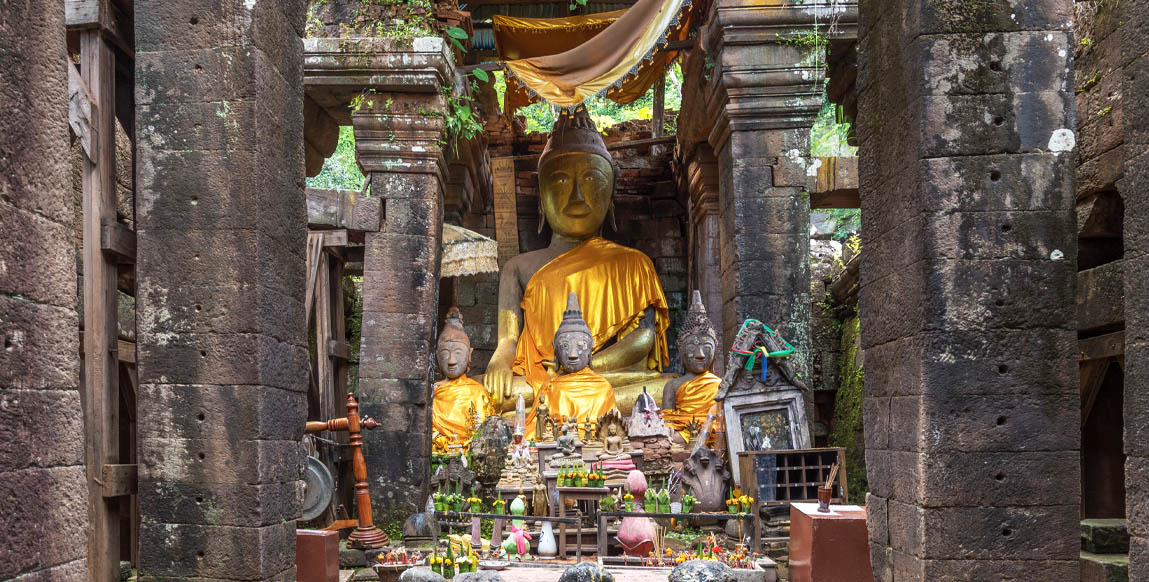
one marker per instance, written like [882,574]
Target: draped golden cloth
[454,404]
[581,395]
[692,401]
[567,60]
[615,285]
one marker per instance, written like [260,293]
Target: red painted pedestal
[829,547]
[316,555]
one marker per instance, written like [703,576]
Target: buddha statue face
[454,358]
[575,191]
[572,350]
[696,352]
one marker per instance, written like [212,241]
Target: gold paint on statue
[453,402]
[619,290]
[693,401]
[578,395]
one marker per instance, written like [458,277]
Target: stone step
[1104,567]
[1104,536]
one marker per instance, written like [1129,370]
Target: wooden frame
[797,475]
[788,400]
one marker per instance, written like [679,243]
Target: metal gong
[318,487]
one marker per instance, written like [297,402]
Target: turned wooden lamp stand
[366,535]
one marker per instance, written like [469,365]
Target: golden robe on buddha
[581,395]
[692,401]
[615,285]
[454,405]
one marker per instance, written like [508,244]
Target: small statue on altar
[457,400]
[579,392]
[567,443]
[614,459]
[690,397]
[588,429]
[542,417]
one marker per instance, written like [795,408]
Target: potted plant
[439,500]
[688,502]
[582,477]
[606,503]
[628,500]
[663,498]
[498,504]
[746,501]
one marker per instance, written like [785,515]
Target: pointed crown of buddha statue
[696,321]
[453,328]
[575,132]
[573,321]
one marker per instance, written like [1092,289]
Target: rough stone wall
[221,226]
[972,408]
[1135,97]
[43,489]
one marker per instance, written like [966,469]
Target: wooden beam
[102,16]
[119,240]
[346,209]
[120,480]
[1102,346]
[80,111]
[125,350]
[100,398]
[836,199]
[338,349]
[506,209]
[335,238]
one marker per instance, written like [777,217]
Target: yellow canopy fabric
[565,61]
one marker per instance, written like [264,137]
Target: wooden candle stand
[366,535]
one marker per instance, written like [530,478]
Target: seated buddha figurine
[622,300]
[689,397]
[457,399]
[578,392]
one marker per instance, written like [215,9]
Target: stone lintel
[336,70]
[833,183]
[343,209]
[702,183]
[754,22]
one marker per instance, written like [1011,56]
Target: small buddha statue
[567,442]
[542,416]
[578,392]
[624,306]
[615,459]
[690,397]
[456,396]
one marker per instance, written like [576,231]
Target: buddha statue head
[697,340]
[453,352]
[576,177]
[573,342]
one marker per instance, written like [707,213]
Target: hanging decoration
[565,61]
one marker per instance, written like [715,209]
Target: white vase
[675,507]
[547,546]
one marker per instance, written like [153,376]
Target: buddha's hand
[498,381]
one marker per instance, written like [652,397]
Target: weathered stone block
[989,423]
[205,411]
[220,461]
[999,479]
[395,253]
[231,504]
[1003,182]
[1101,296]
[31,541]
[193,358]
[986,294]
[386,336]
[379,392]
[234,553]
[22,444]
[998,533]
[953,16]
[40,345]
[959,570]
[1002,235]
[211,74]
[896,307]
[222,257]
[38,258]
[176,26]
[1104,536]
[414,216]
[237,308]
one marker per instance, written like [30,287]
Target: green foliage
[831,130]
[848,411]
[541,117]
[340,171]
[849,222]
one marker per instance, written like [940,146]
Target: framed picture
[763,421]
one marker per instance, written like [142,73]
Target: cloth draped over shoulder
[692,401]
[580,395]
[454,404]
[615,285]
[565,61]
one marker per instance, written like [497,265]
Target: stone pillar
[43,488]
[705,258]
[397,139]
[972,407]
[1135,188]
[766,97]
[222,343]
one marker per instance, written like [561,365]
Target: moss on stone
[847,431]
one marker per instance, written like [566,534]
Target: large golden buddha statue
[621,298]
[457,398]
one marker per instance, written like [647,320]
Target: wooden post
[658,116]
[100,394]
[366,535]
